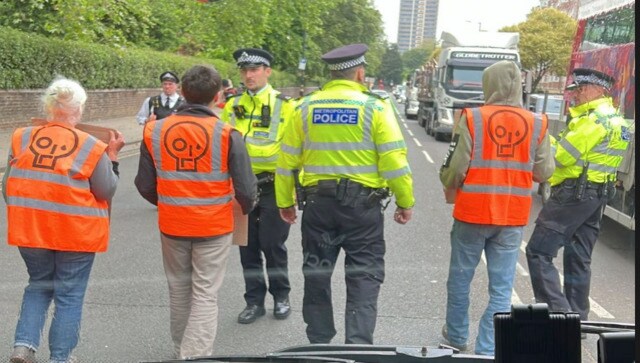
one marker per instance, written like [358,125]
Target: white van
[552,109]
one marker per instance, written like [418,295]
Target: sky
[489,15]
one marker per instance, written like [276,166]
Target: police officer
[164,104]
[349,146]
[587,155]
[260,113]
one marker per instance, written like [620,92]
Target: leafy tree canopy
[546,38]
[416,57]
[290,29]
[391,66]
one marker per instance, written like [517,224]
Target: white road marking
[409,132]
[521,270]
[595,307]
[426,155]
[417,142]
[515,299]
[599,310]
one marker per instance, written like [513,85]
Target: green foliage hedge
[32,61]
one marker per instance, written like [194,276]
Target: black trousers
[267,235]
[574,225]
[328,227]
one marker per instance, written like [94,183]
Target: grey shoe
[445,335]
[22,354]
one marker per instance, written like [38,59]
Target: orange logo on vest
[507,131]
[187,142]
[47,153]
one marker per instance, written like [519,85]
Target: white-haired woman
[57,186]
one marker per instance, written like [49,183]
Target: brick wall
[18,106]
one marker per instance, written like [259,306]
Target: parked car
[411,104]
[381,93]
[398,93]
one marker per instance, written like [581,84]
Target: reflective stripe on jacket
[194,187]
[596,134]
[263,143]
[497,188]
[49,199]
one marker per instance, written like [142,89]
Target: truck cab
[458,77]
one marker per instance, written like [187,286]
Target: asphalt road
[126,309]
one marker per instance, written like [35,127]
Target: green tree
[111,22]
[546,38]
[352,21]
[289,29]
[416,57]
[391,65]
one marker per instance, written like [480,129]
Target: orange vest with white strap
[194,187]
[49,199]
[497,188]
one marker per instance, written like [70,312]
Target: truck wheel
[427,121]
[420,117]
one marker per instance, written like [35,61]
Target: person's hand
[152,117]
[450,195]
[402,216]
[288,214]
[116,143]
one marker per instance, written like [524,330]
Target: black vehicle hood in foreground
[615,343]
[351,353]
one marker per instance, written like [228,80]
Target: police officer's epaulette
[299,99]
[236,95]
[284,97]
[368,93]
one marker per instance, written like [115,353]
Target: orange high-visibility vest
[194,187]
[497,188]
[49,199]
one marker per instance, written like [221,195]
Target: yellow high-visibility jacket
[596,134]
[343,131]
[263,143]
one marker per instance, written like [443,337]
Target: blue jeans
[61,277]
[500,245]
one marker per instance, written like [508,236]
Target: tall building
[417,22]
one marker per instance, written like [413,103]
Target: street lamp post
[303,63]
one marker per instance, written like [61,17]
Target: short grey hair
[349,73]
[64,97]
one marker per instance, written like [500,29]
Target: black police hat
[252,57]
[346,57]
[590,76]
[169,76]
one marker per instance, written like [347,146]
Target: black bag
[530,333]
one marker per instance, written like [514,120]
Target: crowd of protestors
[338,154]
